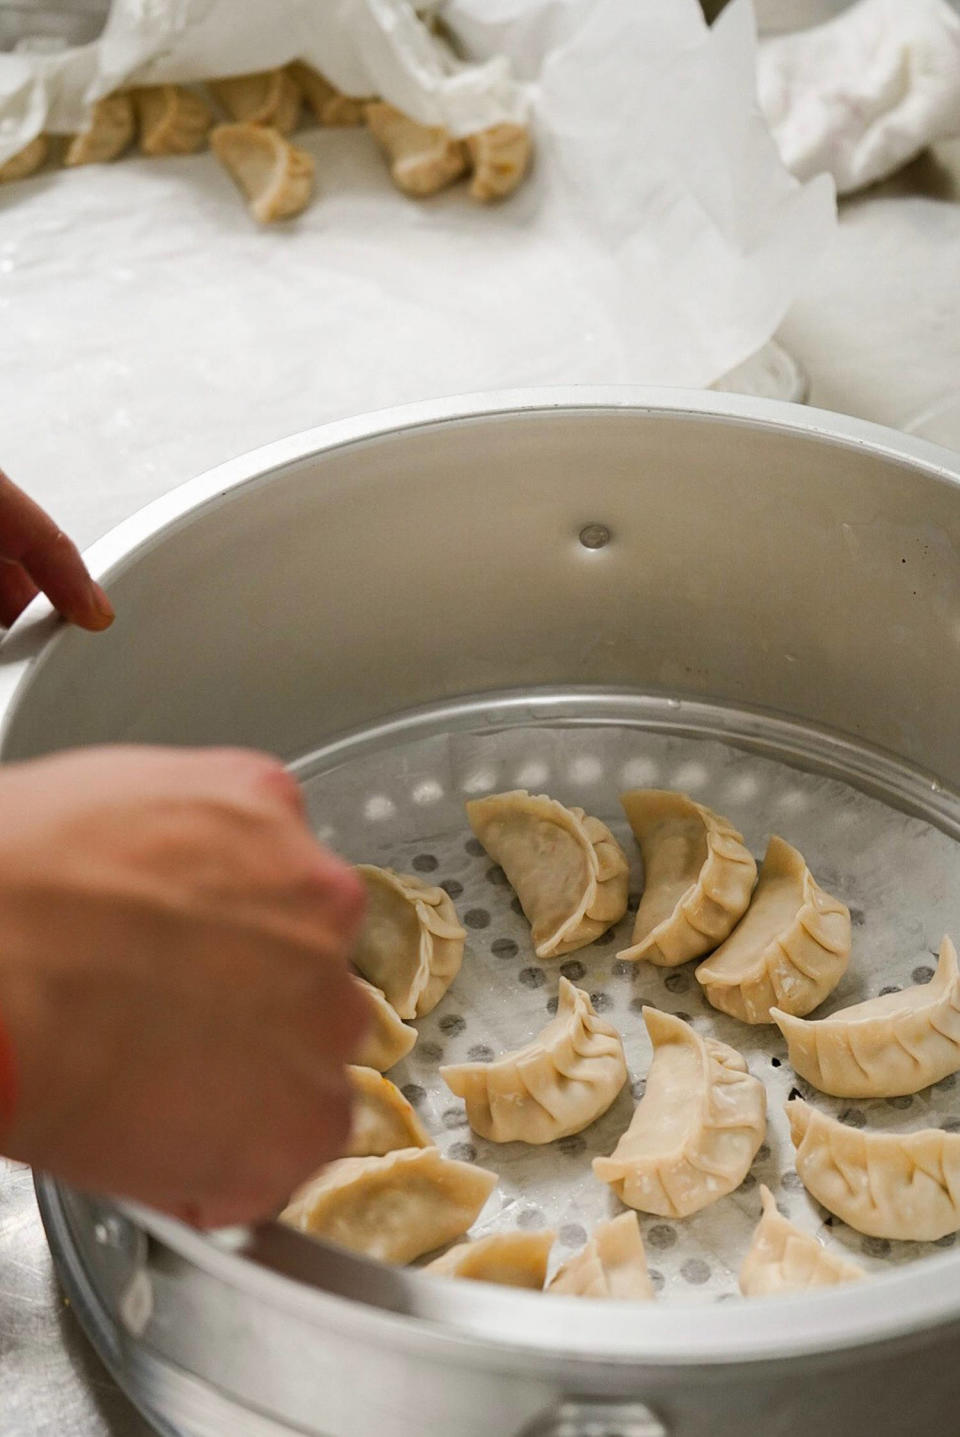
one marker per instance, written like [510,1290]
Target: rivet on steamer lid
[594,536]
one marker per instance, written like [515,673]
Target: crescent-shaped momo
[276,176]
[695,1131]
[422,158]
[395,1208]
[884,1048]
[173,121]
[329,106]
[567,869]
[270,97]
[555,1086]
[904,1186]
[387,1039]
[111,130]
[698,877]
[511,1259]
[499,156]
[783,1258]
[25,162]
[612,1265]
[383,1120]
[411,946]
[790,950]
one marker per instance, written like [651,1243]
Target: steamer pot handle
[595,1417]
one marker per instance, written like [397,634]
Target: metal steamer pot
[714,554]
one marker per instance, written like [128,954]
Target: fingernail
[102,604]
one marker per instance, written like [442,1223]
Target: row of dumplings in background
[778,947]
[265,108]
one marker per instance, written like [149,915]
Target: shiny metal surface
[739,532]
[277,1347]
[774,639]
[597,1419]
[52,1384]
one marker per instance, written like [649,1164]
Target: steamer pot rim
[37,629]
[510,1326]
[908,1301]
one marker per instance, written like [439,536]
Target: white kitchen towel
[860,96]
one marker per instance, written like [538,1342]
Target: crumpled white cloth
[860,96]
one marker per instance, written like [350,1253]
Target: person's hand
[174,978]
[35,556]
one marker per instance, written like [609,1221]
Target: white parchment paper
[901,878]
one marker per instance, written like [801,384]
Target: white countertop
[879,334]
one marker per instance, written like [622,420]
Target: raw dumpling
[568,870]
[394,1208]
[411,946]
[783,1258]
[789,952]
[270,97]
[422,158]
[696,1129]
[613,1264]
[173,121]
[387,1039]
[327,103]
[26,162]
[884,1048]
[499,156]
[555,1086]
[383,1120]
[698,877]
[111,130]
[904,1186]
[276,176]
[512,1259]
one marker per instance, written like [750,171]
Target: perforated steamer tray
[394,796]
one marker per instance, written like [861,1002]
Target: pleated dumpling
[387,1039]
[783,1258]
[789,952]
[499,156]
[695,1131]
[383,1120]
[698,877]
[111,130]
[884,1048]
[411,946]
[25,162]
[275,175]
[511,1259]
[555,1086]
[904,1186]
[329,106]
[269,97]
[567,869]
[395,1208]
[422,158]
[173,121]
[612,1265]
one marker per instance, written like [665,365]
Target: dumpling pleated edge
[716,900]
[882,1048]
[902,1186]
[604,899]
[797,969]
[716,1150]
